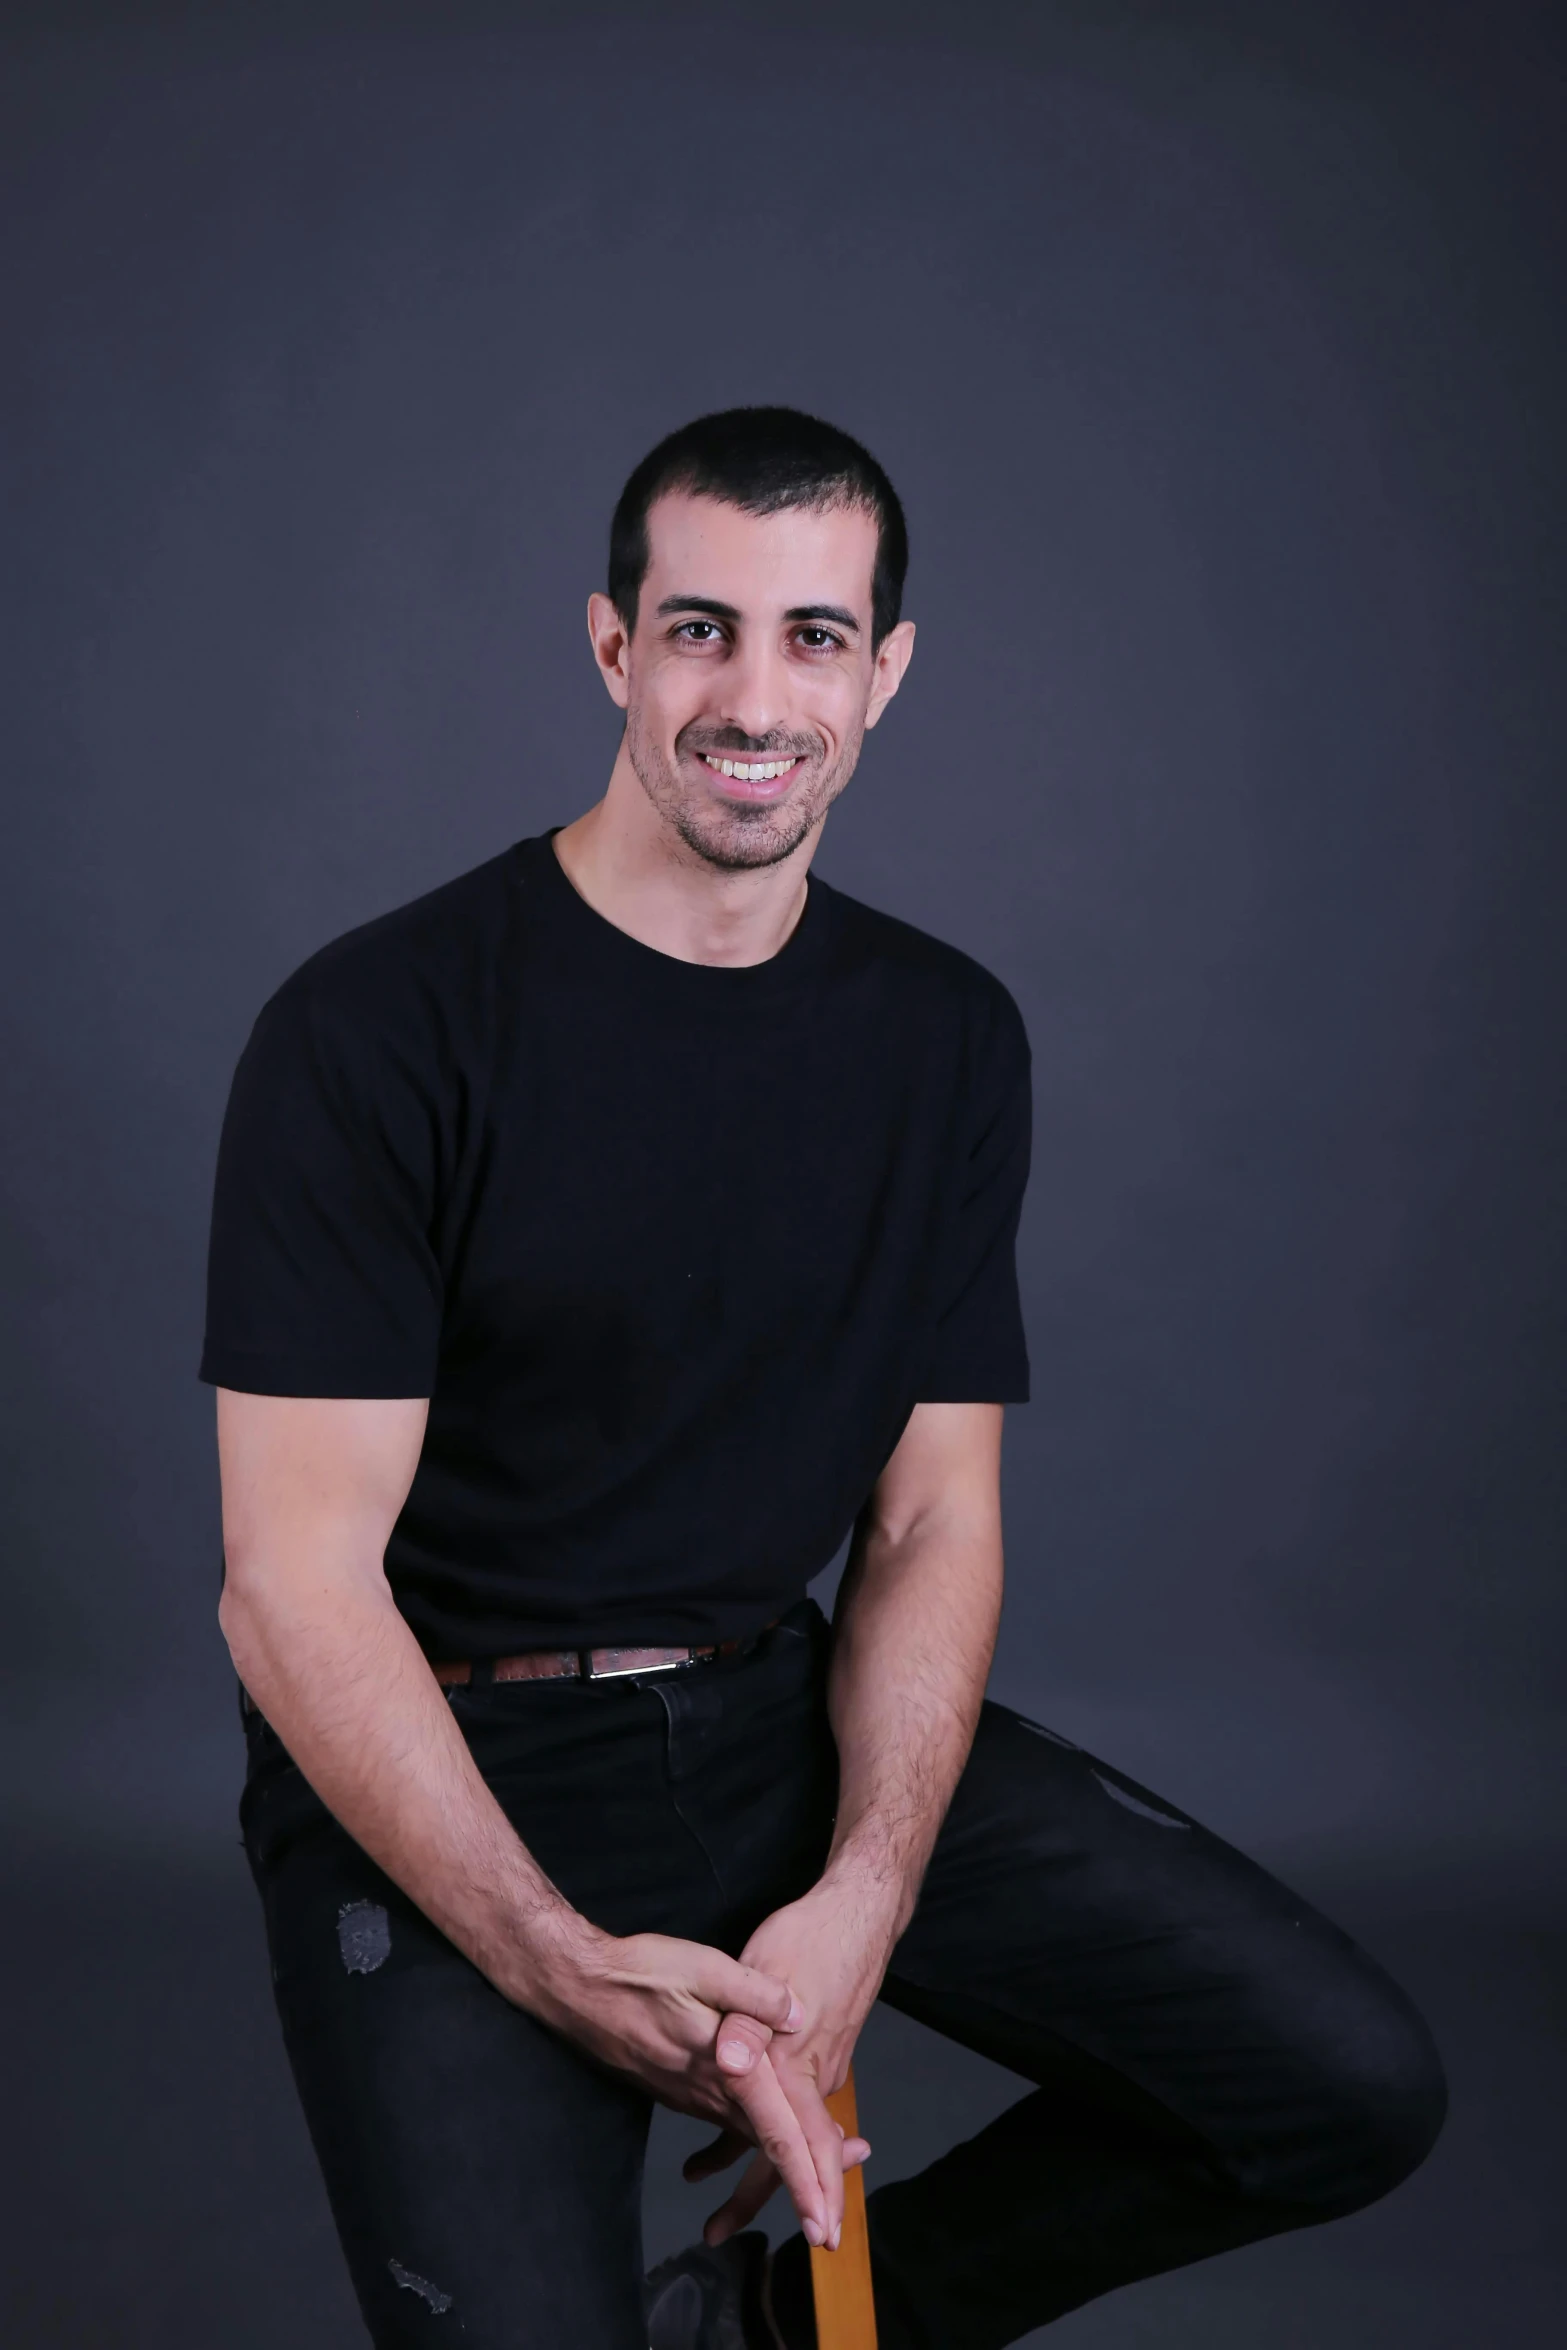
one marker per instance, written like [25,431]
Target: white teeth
[756,771]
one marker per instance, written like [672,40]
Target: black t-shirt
[672,1248]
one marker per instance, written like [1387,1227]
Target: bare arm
[311,1489]
[913,1636]
[914,1632]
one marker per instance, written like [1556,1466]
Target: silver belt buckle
[675,1664]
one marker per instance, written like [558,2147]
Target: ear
[893,656]
[611,641]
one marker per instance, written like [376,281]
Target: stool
[841,2280]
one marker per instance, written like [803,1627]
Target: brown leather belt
[585,1664]
[570,1664]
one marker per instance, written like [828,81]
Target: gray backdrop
[1218,355]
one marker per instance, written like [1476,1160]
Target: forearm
[339,1675]
[913,1637]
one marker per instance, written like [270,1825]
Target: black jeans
[1215,2062]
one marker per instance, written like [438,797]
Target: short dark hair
[761,460]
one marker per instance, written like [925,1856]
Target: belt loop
[584,1664]
[482,1673]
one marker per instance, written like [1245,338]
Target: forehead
[701,547]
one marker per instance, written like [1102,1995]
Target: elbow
[276,1599]
[235,1622]
[243,1610]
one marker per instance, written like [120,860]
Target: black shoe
[706,2299]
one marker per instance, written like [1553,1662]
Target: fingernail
[735,2053]
[836,2236]
[796,2014]
[810,2231]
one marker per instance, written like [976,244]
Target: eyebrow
[714,610]
[834,612]
[707,604]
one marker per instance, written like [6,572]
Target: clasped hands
[752,2044]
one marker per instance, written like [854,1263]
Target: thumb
[737,1990]
[741,2040]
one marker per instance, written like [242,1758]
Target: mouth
[751,779]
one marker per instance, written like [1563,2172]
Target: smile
[756,771]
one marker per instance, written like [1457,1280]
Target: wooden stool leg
[841,2280]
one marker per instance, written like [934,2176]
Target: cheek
[837,708]
[666,698]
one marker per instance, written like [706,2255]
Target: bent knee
[1373,2098]
[1392,2093]
[1359,2099]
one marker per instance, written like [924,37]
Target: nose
[754,693]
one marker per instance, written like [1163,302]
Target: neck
[631,866]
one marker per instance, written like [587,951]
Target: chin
[744,842]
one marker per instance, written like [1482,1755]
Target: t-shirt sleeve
[321,1274]
[980,1354]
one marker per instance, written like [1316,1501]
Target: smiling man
[597,1242]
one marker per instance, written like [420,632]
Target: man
[596,1241]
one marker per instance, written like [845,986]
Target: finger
[741,2040]
[824,2139]
[855,2150]
[722,1982]
[758,2184]
[776,2128]
[726,2148]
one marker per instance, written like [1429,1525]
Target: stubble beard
[736,837]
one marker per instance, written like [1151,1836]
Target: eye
[819,640]
[698,632]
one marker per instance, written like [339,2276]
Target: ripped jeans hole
[411,2283]
[364,1936]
